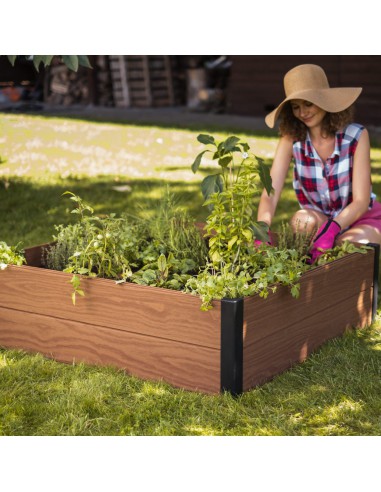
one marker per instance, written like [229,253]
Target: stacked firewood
[66,87]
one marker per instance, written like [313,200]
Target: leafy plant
[300,241]
[10,255]
[339,251]
[173,230]
[229,194]
[161,251]
[261,274]
[71,61]
[237,267]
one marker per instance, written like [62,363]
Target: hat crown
[304,78]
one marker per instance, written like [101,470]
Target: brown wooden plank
[140,309]
[320,288]
[293,343]
[283,330]
[183,365]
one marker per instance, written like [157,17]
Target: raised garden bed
[161,334]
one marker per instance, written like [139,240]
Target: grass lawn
[125,168]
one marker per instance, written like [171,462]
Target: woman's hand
[324,239]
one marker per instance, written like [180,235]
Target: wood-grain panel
[283,330]
[140,309]
[182,365]
[320,288]
[293,343]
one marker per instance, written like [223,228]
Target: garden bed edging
[161,334]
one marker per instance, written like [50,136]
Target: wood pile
[86,86]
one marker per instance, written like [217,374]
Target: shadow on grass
[29,209]
[176,122]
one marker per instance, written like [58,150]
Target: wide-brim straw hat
[310,83]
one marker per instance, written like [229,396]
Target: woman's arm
[361,184]
[279,169]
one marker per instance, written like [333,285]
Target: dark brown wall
[256,82]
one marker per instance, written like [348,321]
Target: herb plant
[162,251]
[10,255]
[238,267]
[169,251]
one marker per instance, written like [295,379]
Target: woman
[332,175]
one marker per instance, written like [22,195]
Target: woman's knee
[306,221]
[361,234]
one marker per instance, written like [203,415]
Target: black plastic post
[376,271]
[232,346]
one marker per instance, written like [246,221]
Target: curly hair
[332,122]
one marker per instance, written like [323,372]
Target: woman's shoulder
[353,131]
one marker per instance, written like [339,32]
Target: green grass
[337,391]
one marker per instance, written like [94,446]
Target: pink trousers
[371,217]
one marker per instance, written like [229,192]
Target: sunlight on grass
[336,391]
[34,146]
[3,362]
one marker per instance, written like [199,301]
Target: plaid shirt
[326,187]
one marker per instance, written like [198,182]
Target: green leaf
[230,143]
[197,161]
[162,263]
[232,241]
[247,234]
[295,291]
[264,174]
[71,61]
[84,61]
[44,59]
[225,161]
[212,184]
[12,59]
[245,146]
[261,231]
[206,139]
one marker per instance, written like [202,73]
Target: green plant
[339,251]
[10,255]
[230,194]
[67,241]
[237,266]
[100,246]
[161,251]
[173,230]
[300,241]
[268,268]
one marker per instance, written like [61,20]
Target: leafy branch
[73,62]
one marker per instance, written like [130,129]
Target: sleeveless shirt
[326,186]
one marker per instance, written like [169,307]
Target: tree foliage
[71,61]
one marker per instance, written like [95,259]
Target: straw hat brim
[332,100]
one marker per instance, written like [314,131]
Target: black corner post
[232,346]
[376,271]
